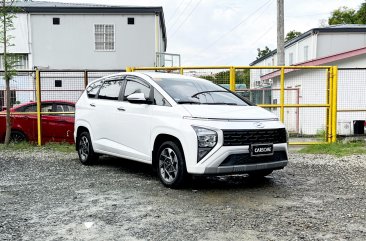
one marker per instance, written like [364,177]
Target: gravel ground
[50,196]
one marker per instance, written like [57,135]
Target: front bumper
[236,159]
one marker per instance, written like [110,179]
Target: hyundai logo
[259,125]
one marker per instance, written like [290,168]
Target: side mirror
[138,98]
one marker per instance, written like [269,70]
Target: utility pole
[280,34]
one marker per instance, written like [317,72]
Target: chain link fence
[351,112]
[58,92]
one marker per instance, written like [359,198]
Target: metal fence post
[86,78]
[38,95]
[329,103]
[334,98]
[232,78]
[282,95]
[181,71]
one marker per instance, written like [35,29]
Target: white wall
[70,45]
[311,85]
[333,43]
[351,89]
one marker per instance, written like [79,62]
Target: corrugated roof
[43,4]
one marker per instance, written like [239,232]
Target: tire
[86,153]
[260,174]
[17,137]
[171,167]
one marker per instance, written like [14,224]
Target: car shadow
[227,182]
[126,166]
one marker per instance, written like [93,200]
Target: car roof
[44,101]
[146,74]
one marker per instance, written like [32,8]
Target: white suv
[181,125]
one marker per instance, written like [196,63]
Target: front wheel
[171,165]
[86,153]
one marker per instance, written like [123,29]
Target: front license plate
[262,150]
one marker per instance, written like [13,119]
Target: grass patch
[337,149]
[59,147]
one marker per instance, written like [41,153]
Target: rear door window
[93,89]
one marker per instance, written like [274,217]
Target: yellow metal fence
[303,97]
[319,81]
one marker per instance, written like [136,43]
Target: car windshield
[198,91]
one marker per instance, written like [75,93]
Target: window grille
[104,37]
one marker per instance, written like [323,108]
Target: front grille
[247,137]
[243,159]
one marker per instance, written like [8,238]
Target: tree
[7,15]
[241,77]
[291,35]
[343,15]
[361,14]
[263,52]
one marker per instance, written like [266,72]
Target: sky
[228,32]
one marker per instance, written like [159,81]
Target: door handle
[92,104]
[121,109]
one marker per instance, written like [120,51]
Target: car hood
[226,112]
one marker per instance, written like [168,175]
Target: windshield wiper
[220,103]
[188,102]
[207,91]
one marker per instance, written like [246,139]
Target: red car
[55,127]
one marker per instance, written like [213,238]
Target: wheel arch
[79,130]
[160,139]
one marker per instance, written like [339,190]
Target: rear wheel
[171,165]
[17,136]
[86,153]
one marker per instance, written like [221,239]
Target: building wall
[312,90]
[351,90]
[70,45]
[297,51]
[333,43]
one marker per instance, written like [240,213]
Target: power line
[236,26]
[194,8]
[176,9]
[181,13]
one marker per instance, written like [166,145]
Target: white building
[82,36]
[341,45]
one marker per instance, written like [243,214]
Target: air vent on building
[131,21]
[56,21]
[58,83]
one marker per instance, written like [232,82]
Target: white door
[133,122]
[105,123]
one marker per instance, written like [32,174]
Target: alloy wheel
[84,148]
[168,165]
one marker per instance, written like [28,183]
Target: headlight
[206,139]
